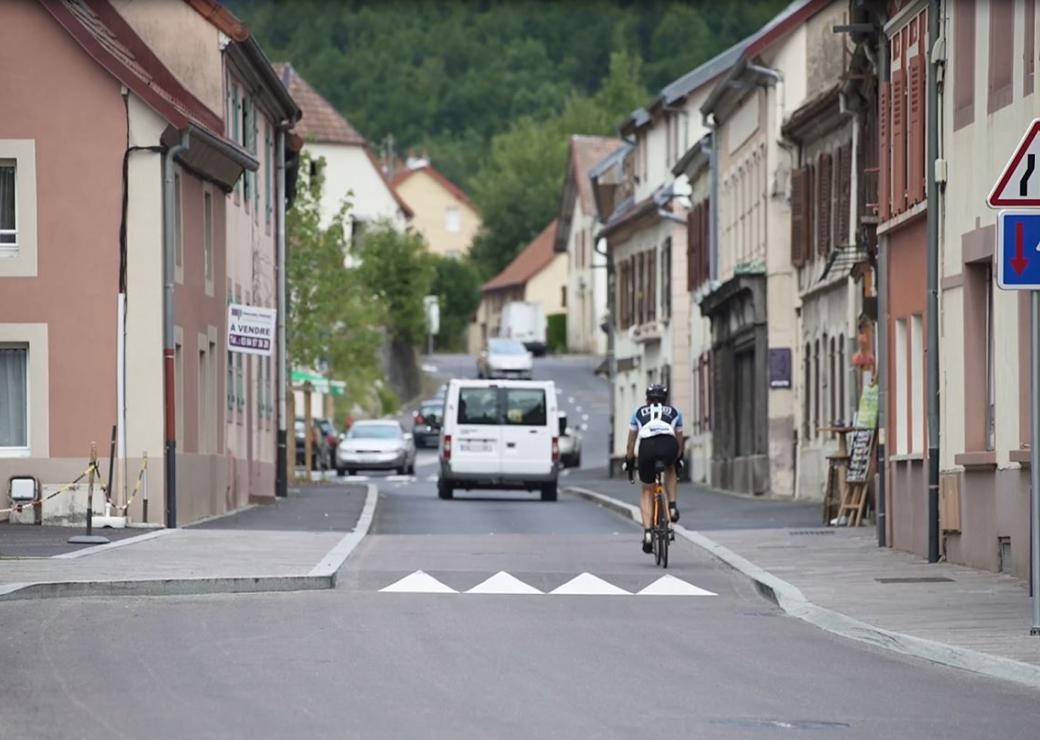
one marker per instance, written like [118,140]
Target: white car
[500,435]
[505,358]
[376,445]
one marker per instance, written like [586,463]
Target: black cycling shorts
[663,447]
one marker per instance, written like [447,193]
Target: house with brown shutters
[652,321]
[989,99]
[825,250]
[753,299]
[695,165]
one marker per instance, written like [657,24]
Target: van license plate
[476,447]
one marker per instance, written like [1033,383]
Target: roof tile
[528,263]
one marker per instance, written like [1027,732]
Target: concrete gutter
[321,576]
[793,602]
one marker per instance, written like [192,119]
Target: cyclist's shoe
[671,535]
[648,543]
[673,512]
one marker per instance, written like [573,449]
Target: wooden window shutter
[692,234]
[884,151]
[823,205]
[1029,48]
[798,178]
[651,285]
[898,124]
[640,290]
[915,95]
[844,205]
[705,240]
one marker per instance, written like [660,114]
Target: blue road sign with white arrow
[1018,250]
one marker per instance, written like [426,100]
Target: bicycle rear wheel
[661,532]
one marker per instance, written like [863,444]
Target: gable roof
[458,193]
[112,43]
[586,152]
[534,257]
[321,122]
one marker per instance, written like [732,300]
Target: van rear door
[526,431]
[477,447]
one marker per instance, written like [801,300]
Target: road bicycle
[660,530]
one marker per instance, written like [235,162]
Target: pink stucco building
[121,119]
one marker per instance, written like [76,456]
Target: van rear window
[478,406]
[525,407]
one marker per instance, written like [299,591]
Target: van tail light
[556,449]
[446,448]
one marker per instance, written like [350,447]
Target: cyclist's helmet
[656,393]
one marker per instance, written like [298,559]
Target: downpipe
[933,285]
[282,380]
[169,350]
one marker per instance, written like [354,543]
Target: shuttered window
[963,63]
[698,257]
[843,196]
[1029,48]
[903,120]
[651,285]
[1001,54]
[824,169]
[799,178]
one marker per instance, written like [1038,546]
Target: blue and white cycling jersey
[656,419]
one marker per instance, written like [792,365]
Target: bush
[556,332]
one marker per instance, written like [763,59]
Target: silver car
[376,445]
[505,358]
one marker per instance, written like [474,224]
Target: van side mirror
[563,424]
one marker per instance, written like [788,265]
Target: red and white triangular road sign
[1019,181]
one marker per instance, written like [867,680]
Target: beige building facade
[444,214]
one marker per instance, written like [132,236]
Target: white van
[524,322]
[500,434]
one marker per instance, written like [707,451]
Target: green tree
[457,284]
[397,269]
[518,187]
[330,321]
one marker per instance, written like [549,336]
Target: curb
[321,577]
[793,602]
[112,545]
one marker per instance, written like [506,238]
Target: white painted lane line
[341,551]
[669,585]
[355,478]
[418,582]
[584,417]
[400,479]
[570,400]
[432,477]
[587,584]
[426,462]
[503,583]
[578,409]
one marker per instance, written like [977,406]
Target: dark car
[426,423]
[321,456]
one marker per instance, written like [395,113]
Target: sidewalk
[296,544]
[841,581]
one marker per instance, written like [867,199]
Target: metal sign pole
[1034,462]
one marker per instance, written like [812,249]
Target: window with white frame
[8,209]
[14,397]
[900,415]
[452,220]
[916,384]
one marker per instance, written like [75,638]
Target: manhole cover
[811,531]
[919,579]
[779,724]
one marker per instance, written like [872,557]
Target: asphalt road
[361,661]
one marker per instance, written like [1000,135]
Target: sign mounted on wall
[780,367]
[1019,183]
[250,329]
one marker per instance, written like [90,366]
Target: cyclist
[658,427]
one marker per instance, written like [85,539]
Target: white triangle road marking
[503,583]
[419,583]
[669,585]
[587,584]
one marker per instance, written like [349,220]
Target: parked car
[321,456]
[570,444]
[505,358]
[426,423]
[376,445]
[500,435]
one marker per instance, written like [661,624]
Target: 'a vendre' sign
[251,329]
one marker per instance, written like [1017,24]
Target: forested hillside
[491,90]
